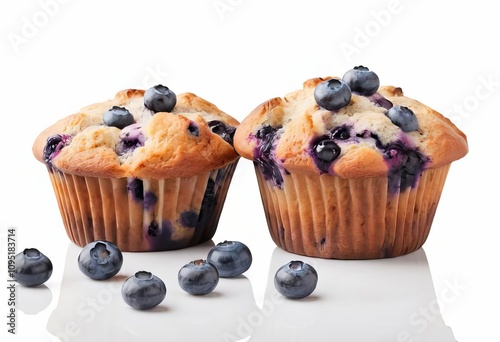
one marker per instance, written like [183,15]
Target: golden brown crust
[302,120]
[170,150]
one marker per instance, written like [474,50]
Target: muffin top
[144,134]
[350,128]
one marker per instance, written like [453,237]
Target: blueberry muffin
[348,169]
[146,170]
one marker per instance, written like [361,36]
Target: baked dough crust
[170,150]
[302,120]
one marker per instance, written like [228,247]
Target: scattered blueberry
[226,132]
[33,268]
[160,99]
[54,145]
[332,94]
[100,260]
[118,117]
[404,118]
[232,258]
[362,81]
[143,290]
[199,277]
[296,279]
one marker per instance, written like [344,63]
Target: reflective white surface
[376,300]
[73,53]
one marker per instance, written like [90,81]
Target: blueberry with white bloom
[404,118]
[296,280]
[332,94]
[143,290]
[32,268]
[198,277]
[100,260]
[232,258]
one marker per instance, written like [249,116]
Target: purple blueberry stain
[189,219]
[223,130]
[53,147]
[405,162]
[405,166]
[150,200]
[380,101]
[265,154]
[135,188]
[365,134]
[161,238]
[193,129]
[131,137]
[208,207]
[153,229]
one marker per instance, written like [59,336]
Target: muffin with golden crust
[348,169]
[147,170]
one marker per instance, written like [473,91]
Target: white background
[58,56]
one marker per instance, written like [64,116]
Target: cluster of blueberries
[335,94]
[100,260]
[158,99]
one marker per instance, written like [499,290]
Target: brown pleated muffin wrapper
[142,214]
[338,218]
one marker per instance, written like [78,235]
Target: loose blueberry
[160,99]
[362,81]
[332,94]
[54,145]
[296,280]
[226,132]
[100,260]
[143,290]
[118,117]
[199,277]
[32,268]
[232,258]
[404,118]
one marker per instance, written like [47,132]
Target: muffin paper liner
[338,218]
[142,214]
